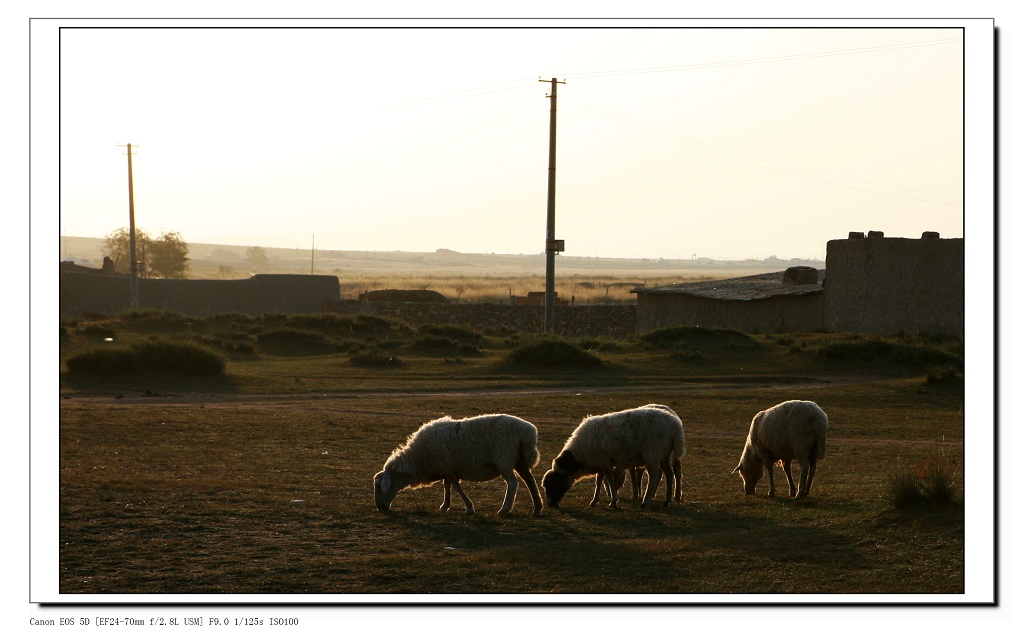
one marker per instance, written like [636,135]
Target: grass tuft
[933,481]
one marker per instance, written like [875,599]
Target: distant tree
[166,256]
[116,245]
[257,257]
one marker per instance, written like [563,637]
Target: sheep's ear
[385,482]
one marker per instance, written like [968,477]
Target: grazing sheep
[650,436]
[636,474]
[480,449]
[795,429]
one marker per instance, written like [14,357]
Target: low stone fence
[613,321]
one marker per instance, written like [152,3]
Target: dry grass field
[259,480]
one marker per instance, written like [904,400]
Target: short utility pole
[131,234]
[551,246]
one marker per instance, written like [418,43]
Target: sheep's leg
[608,474]
[511,484]
[635,475]
[787,467]
[597,489]
[447,504]
[677,471]
[652,484]
[669,481]
[531,483]
[462,494]
[806,476]
[771,480]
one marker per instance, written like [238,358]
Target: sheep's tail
[528,452]
[819,444]
[679,444]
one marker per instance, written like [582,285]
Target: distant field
[259,480]
[462,277]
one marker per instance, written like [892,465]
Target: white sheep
[636,473]
[650,436]
[792,430]
[480,449]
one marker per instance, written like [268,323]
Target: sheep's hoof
[594,503]
[504,512]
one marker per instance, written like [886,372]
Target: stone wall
[768,315]
[615,321]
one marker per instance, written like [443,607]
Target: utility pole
[551,246]
[131,234]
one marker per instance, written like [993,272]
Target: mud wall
[266,293]
[893,286]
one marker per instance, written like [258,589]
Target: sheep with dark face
[648,436]
[792,430]
[447,450]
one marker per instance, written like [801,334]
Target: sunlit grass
[260,482]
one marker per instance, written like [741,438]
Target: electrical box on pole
[551,245]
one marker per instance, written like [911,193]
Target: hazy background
[723,143]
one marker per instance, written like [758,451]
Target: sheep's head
[750,471]
[555,484]
[557,481]
[385,488]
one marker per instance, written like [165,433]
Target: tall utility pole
[551,246]
[131,234]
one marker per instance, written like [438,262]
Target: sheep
[795,429]
[648,436]
[636,473]
[479,448]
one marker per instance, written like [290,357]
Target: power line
[699,146]
[527,82]
[745,61]
[468,93]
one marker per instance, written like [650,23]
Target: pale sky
[671,142]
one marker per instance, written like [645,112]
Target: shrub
[294,340]
[154,355]
[696,337]
[900,353]
[179,357]
[944,375]
[96,331]
[453,332]
[549,353]
[104,361]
